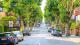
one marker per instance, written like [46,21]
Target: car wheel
[22,39]
[16,42]
[19,40]
[11,43]
[29,34]
[24,34]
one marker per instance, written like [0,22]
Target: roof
[77,11]
[2,14]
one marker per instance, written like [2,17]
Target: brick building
[76,15]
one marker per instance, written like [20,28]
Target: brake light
[11,38]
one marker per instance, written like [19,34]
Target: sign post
[10,24]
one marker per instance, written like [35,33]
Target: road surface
[40,36]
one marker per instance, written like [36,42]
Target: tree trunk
[57,22]
[67,28]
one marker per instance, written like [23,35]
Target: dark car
[4,40]
[26,32]
[12,37]
[56,32]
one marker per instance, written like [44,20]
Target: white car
[19,35]
[56,33]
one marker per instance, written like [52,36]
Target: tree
[66,8]
[5,22]
[61,10]
[26,10]
[52,11]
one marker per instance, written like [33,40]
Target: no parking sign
[10,23]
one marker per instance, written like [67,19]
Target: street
[40,22]
[40,36]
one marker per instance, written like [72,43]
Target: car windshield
[8,35]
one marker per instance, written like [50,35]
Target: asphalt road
[40,36]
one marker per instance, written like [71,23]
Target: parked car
[26,32]
[4,40]
[12,37]
[19,35]
[50,30]
[56,32]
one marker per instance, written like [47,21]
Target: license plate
[4,43]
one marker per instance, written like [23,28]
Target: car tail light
[3,39]
[11,38]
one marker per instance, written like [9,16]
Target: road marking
[39,43]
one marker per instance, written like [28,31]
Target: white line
[39,44]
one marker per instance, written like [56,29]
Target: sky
[43,4]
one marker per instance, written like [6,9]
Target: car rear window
[16,32]
[9,34]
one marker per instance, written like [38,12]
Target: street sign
[1,9]
[73,17]
[10,23]
[18,23]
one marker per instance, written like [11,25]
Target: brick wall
[2,14]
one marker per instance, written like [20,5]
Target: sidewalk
[75,39]
[72,38]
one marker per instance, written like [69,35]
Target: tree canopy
[61,11]
[28,11]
